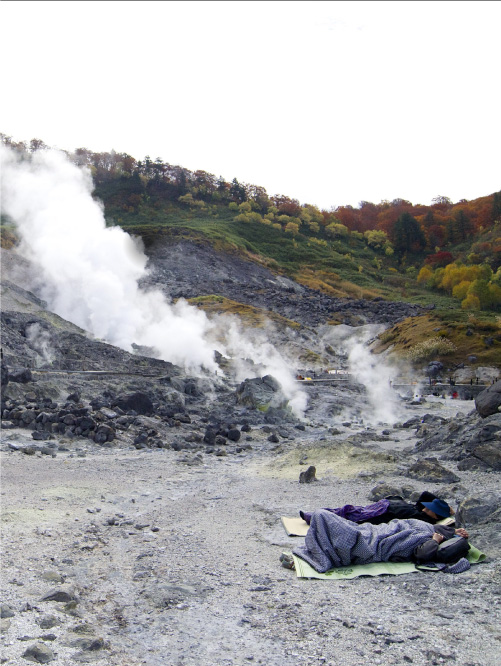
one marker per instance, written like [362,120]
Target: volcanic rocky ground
[141,506]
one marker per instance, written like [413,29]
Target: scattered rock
[90,644]
[431,471]
[48,622]
[234,434]
[6,611]
[167,595]
[4,626]
[489,454]
[39,653]
[384,489]
[308,476]
[60,595]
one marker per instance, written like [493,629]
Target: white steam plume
[40,341]
[267,359]
[376,377]
[370,370]
[89,273]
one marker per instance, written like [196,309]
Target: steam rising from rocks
[370,370]
[89,274]
[40,341]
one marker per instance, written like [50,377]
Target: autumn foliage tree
[439,259]
[475,286]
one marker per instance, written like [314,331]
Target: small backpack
[452,550]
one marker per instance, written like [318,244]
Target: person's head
[437,509]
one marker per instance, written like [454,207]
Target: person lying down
[333,541]
[428,508]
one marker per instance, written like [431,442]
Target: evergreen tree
[463,225]
[451,231]
[237,191]
[408,235]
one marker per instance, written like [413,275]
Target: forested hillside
[447,254]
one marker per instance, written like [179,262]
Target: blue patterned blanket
[333,541]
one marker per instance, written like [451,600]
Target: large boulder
[430,470]
[20,376]
[138,402]
[489,453]
[477,509]
[261,393]
[489,401]
[384,489]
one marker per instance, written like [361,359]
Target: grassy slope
[468,333]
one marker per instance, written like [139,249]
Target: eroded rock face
[173,267]
[489,401]
[472,440]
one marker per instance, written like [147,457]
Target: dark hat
[439,507]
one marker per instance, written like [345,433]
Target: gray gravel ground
[167,559]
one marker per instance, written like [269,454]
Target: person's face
[430,513]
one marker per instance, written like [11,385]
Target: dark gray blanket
[333,541]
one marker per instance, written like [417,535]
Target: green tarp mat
[304,570]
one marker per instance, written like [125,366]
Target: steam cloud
[376,377]
[89,274]
[370,370]
[41,343]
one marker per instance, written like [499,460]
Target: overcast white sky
[327,102]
